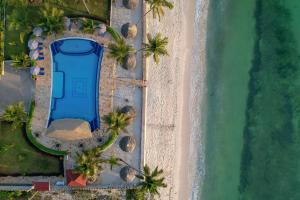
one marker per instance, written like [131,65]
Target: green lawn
[99,9]
[19,157]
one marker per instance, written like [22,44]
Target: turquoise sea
[252,119]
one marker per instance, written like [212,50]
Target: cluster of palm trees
[90,163]
[14,114]
[156,45]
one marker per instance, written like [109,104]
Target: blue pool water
[75,80]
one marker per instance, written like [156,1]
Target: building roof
[74,179]
[69,129]
[41,186]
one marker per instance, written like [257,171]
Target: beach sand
[174,92]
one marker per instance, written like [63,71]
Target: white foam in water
[198,71]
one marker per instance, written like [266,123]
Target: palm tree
[151,181]
[157,8]
[120,50]
[15,114]
[156,46]
[113,161]
[52,19]
[88,26]
[135,194]
[89,164]
[21,61]
[117,121]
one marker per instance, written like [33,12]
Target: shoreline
[175,93]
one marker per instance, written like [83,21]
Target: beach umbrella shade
[130,4]
[37,31]
[127,174]
[129,62]
[34,70]
[33,43]
[127,143]
[101,30]
[34,54]
[129,30]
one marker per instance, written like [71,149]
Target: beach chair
[42,69]
[41,73]
[41,58]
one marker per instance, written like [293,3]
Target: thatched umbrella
[130,110]
[33,44]
[35,70]
[37,31]
[127,174]
[34,54]
[129,30]
[127,143]
[130,4]
[129,62]
[101,30]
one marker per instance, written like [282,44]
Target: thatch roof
[129,62]
[130,4]
[69,129]
[127,174]
[129,30]
[127,143]
[130,110]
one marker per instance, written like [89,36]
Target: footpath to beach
[168,124]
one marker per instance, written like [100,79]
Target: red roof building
[41,186]
[74,179]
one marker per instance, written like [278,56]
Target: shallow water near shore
[252,119]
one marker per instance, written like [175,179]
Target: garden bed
[31,14]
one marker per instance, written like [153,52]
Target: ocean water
[252,120]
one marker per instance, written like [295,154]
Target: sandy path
[170,91]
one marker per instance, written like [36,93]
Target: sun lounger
[40,58]
[41,73]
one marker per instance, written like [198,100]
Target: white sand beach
[174,96]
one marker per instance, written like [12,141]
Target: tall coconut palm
[21,61]
[89,26]
[117,121]
[89,164]
[52,19]
[151,181]
[156,46]
[120,50]
[157,7]
[15,114]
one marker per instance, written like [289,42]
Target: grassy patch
[19,157]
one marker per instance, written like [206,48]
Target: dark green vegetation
[21,17]
[15,195]
[32,139]
[19,157]
[270,161]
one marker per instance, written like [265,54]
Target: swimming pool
[76,65]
